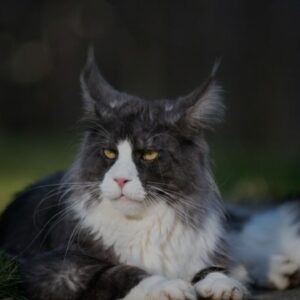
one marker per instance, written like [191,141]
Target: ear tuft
[88,102]
[96,91]
[203,108]
[90,55]
[215,67]
[208,110]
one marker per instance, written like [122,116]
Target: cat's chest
[158,243]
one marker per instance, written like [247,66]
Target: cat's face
[142,152]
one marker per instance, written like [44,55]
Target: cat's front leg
[217,285]
[159,288]
[57,276]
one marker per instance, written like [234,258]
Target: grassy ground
[9,280]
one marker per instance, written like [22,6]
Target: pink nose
[121,181]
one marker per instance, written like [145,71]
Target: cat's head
[138,152]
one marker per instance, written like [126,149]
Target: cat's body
[267,242]
[138,215]
[156,242]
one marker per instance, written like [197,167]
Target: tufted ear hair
[98,95]
[203,107]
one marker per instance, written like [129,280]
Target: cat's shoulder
[33,198]
[39,188]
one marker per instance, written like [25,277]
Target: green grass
[9,279]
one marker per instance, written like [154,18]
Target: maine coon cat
[138,215]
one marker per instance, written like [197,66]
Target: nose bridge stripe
[125,151]
[124,166]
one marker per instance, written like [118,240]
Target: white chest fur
[159,243]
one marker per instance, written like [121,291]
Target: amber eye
[150,155]
[110,154]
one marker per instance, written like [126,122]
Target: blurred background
[154,49]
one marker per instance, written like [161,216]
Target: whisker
[173,195]
[62,184]
[181,213]
[169,198]
[53,193]
[57,215]
[73,234]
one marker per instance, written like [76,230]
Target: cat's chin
[124,199]
[129,207]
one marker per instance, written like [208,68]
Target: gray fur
[176,127]
[68,263]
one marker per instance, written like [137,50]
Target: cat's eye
[110,154]
[150,155]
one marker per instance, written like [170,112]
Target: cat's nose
[121,181]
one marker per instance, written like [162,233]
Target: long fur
[83,235]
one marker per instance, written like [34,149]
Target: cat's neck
[158,242]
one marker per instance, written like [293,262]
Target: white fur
[133,190]
[151,236]
[219,286]
[159,288]
[280,270]
[157,241]
[153,239]
[69,278]
[269,246]
[148,236]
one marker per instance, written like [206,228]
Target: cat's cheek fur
[109,188]
[134,190]
[159,288]
[219,286]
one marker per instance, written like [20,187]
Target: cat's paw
[160,288]
[218,286]
[283,272]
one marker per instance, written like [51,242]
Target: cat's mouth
[125,199]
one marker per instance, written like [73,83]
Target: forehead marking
[124,166]
[124,150]
[169,107]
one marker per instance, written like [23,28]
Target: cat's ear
[98,94]
[202,108]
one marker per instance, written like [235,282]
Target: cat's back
[31,215]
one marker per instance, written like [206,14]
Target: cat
[138,214]
[267,242]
